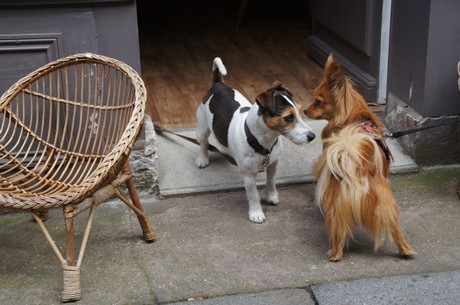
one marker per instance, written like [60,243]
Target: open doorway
[179,40]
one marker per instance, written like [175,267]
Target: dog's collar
[258,148]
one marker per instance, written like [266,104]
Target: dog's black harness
[252,141]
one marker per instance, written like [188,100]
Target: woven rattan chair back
[66,131]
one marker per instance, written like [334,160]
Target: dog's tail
[218,70]
[352,157]
[353,188]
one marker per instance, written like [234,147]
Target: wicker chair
[66,131]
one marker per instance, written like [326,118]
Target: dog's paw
[334,256]
[257,216]
[408,254]
[271,198]
[202,162]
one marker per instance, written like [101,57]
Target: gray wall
[33,33]
[424,52]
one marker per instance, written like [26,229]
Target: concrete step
[178,174]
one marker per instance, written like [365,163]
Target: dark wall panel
[28,50]
[424,52]
[348,20]
[31,35]
[351,30]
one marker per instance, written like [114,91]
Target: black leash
[391,135]
[394,135]
[212,148]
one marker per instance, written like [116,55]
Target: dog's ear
[266,102]
[277,85]
[333,70]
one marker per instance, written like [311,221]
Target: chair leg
[42,213]
[71,284]
[147,230]
[69,235]
[71,272]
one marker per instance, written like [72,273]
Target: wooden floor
[180,38]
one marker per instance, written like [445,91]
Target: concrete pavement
[208,252]
[425,289]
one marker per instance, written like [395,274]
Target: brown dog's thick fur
[352,172]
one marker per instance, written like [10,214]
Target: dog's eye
[318,103]
[289,118]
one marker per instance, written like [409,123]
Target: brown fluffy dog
[352,172]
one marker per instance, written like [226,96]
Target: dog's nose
[305,111]
[311,136]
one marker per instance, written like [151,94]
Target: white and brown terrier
[249,133]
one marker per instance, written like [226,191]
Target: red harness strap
[368,127]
